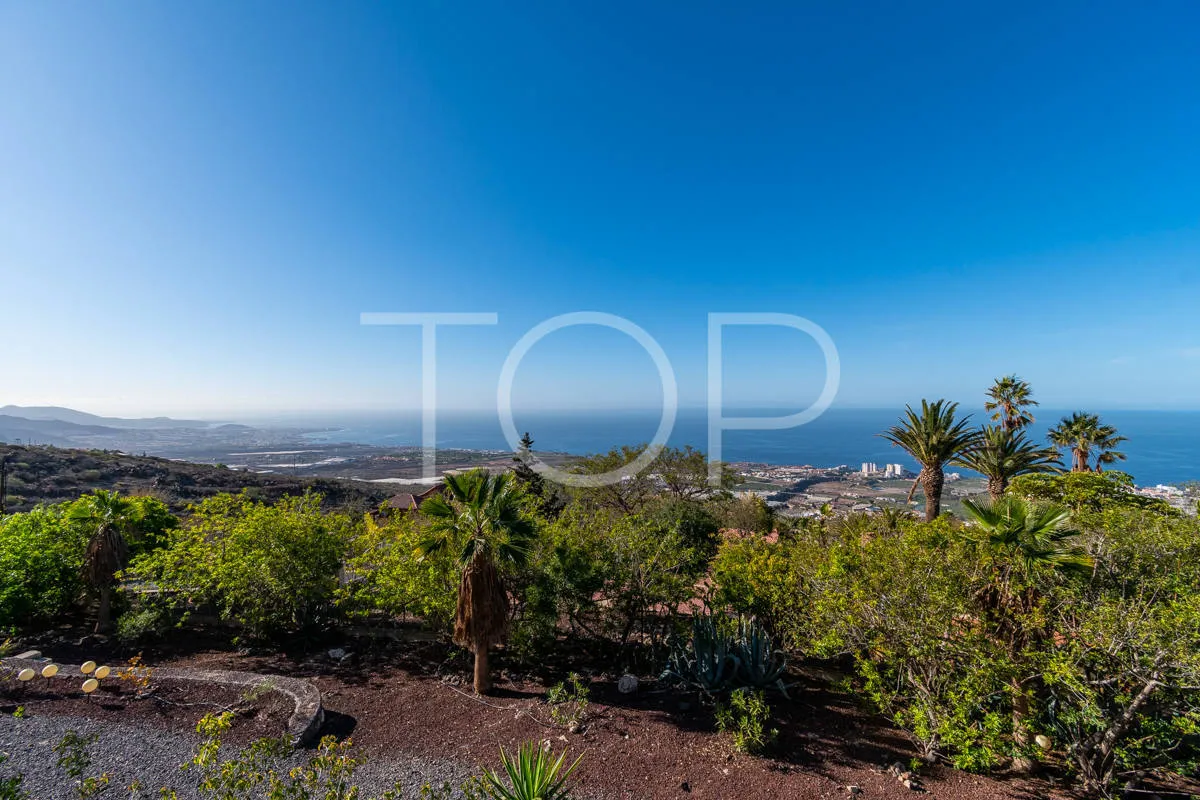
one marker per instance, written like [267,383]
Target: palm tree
[1002,455]
[935,437]
[109,517]
[1083,433]
[1023,544]
[1105,445]
[480,516]
[1009,397]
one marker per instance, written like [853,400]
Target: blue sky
[197,201]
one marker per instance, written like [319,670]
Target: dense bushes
[42,554]
[993,642]
[270,568]
[41,566]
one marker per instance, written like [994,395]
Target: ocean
[1163,446]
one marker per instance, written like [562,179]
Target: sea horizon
[1163,446]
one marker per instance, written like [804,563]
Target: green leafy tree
[480,517]
[1008,402]
[934,437]
[1002,455]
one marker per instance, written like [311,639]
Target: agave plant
[759,664]
[534,774]
[708,660]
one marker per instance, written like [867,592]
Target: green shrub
[270,568]
[609,576]
[387,573]
[41,566]
[569,702]
[746,718]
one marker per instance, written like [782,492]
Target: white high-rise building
[869,468]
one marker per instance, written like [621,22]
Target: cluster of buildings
[870,470]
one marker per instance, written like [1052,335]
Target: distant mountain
[48,431]
[70,415]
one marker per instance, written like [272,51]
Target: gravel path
[153,757]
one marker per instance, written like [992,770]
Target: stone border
[302,726]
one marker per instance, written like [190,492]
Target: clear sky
[198,200]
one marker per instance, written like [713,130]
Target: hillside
[51,474]
[47,413]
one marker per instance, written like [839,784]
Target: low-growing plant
[533,774]
[10,787]
[74,759]
[252,773]
[746,718]
[721,655]
[137,673]
[707,660]
[760,664]
[569,702]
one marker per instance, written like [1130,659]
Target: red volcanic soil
[654,744]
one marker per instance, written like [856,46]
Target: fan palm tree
[479,515]
[1002,455]
[1008,398]
[1105,446]
[934,437]
[108,517]
[1024,544]
[1084,434]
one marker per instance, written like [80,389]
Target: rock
[337,654]
[685,786]
[627,684]
[854,790]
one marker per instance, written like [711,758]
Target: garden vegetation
[1055,627]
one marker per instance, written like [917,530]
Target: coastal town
[811,491]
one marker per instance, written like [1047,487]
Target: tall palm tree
[1084,434]
[109,517]
[1024,545]
[1008,399]
[935,437]
[1002,455]
[479,515]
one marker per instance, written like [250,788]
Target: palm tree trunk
[483,672]
[995,487]
[103,621]
[932,481]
